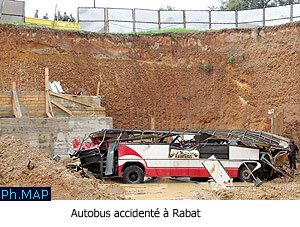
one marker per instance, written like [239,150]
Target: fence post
[133,19]
[292,12]
[159,23]
[106,20]
[1,7]
[77,15]
[184,19]
[236,18]
[264,16]
[209,19]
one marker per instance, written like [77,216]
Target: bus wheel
[133,175]
[244,173]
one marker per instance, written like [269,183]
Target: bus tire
[244,173]
[133,175]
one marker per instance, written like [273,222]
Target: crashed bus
[135,154]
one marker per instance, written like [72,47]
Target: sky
[70,6]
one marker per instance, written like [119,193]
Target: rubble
[24,165]
[278,189]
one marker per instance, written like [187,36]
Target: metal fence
[121,20]
[12,10]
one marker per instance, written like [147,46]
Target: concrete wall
[53,135]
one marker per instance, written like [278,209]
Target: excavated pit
[216,79]
[224,79]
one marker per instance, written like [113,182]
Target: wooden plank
[42,99]
[47,91]
[62,107]
[6,103]
[98,89]
[50,105]
[5,97]
[36,98]
[32,103]
[33,94]
[87,111]
[16,103]
[72,99]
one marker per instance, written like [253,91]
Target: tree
[252,4]
[284,2]
[168,8]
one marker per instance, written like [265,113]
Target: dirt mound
[277,189]
[23,165]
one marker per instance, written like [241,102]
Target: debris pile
[278,189]
[23,165]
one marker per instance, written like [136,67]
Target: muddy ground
[23,165]
[166,188]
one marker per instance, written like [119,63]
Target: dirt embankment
[15,170]
[217,79]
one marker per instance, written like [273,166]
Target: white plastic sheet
[93,26]
[223,16]
[296,12]
[174,19]
[197,26]
[250,25]
[277,22]
[250,15]
[139,27]
[86,14]
[278,12]
[142,15]
[222,26]
[120,27]
[120,14]
[12,11]
[15,8]
[171,16]
[169,26]
[196,16]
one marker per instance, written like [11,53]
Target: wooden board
[33,104]
[15,101]
[62,107]
[72,99]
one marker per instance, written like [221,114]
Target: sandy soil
[277,189]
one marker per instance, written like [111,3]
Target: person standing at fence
[292,154]
[72,19]
[46,17]
[36,15]
[65,17]
[58,16]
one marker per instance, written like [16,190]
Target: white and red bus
[135,154]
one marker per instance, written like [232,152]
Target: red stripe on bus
[125,150]
[180,172]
